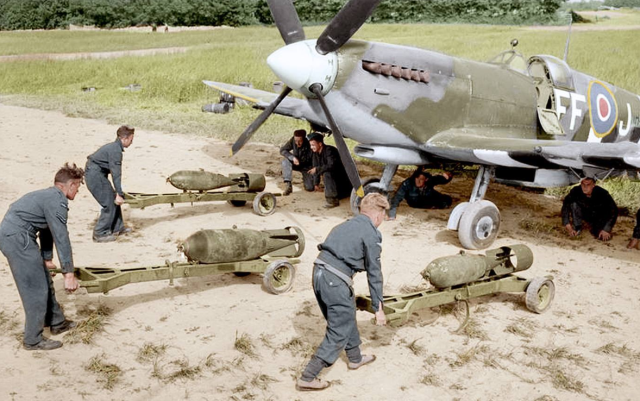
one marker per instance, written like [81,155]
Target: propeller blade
[253,127]
[345,24]
[286,18]
[345,155]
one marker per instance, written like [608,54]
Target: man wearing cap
[592,204]
[297,156]
[41,214]
[108,160]
[328,167]
[350,247]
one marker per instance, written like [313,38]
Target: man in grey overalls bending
[42,212]
[108,160]
[351,247]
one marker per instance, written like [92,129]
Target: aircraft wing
[257,96]
[290,106]
[499,148]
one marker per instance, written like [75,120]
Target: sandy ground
[584,347]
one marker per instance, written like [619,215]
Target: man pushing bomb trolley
[350,247]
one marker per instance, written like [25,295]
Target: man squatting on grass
[296,153]
[350,247]
[592,204]
[42,212]
[108,160]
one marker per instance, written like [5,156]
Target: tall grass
[172,91]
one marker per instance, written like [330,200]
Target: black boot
[288,189]
[331,203]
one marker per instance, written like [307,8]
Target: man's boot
[288,188]
[331,203]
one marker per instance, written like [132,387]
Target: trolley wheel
[241,274]
[278,278]
[539,294]
[237,203]
[264,204]
[479,225]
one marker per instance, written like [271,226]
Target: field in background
[172,91]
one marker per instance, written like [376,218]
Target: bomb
[234,245]
[188,180]
[463,268]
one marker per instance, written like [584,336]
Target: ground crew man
[328,167]
[350,247]
[592,204]
[297,156]
[42,212]
[108,160]
[419,193]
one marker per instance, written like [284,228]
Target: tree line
[55,14]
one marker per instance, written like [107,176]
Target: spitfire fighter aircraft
[532,122]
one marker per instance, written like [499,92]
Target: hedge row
[51,14]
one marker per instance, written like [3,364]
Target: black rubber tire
[264,204]
[354,201]
[479,225]
[279,276]
[539,294]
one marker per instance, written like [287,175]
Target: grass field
[172,91]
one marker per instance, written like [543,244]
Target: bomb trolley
[281,251]
[197,186]
[462,277]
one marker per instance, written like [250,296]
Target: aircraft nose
[299,66]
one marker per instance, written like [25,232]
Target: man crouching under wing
[351,247]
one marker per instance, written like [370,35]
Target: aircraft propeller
[341,28]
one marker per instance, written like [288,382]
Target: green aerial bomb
[234,245]
[271,253]
[196,186]
[465,268]
[201,180]
[461,277]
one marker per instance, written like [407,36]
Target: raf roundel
[603,110]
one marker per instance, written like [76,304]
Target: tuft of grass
[244,344]
[473,330]
[465,357]
[623,351]
[563,380]
[537,227]
[430,379]
[266,340]
[522,327]
[183,371]
[262,381]
[297,346]
[150,352]
[108,373]
[92,325]
[416,348]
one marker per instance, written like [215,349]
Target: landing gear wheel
[237,203]
[264,204]
[369,185]
[241,274]
[539,294]
[479,225]
[278,278]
